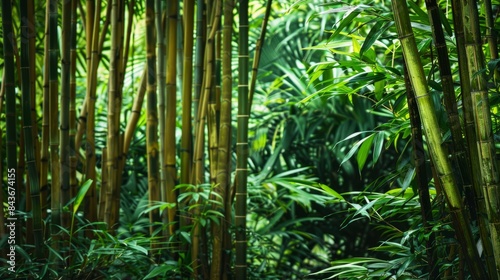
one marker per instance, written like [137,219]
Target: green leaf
[377,146]
[378,29]
[331,191]
[364,151]
[81,195]
[354,149]
[348,18]
[159,271]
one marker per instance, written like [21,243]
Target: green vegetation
[249,139]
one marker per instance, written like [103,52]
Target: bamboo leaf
[160,270]
[354,149]
[81,195]
[364,151]
[331,191]
[378,29]
[378,145]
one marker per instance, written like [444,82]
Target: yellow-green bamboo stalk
[470,134]
[203,104]
[161,95]
[199,58]
[484,133]
[92,51]
[224,144]
[170,118]
[432,132]
[491,32]
[213,117]
[136,111]
[114,102]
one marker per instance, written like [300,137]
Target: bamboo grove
[478,172]
[187,61]
[133,134]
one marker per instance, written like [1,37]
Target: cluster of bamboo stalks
[474,154]
[201,76]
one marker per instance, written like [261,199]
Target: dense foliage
[342,181]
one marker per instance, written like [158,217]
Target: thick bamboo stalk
[242,145]
[94,53]
[26,32]
[458,150]
[470,134]
[482,116]
[152,113]
[56,206]
[116,67]
[170,119]
[432,132]
[224,145]
[204,96]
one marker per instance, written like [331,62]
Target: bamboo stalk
[115,92]
[470,134]
[10,111]
[44,151]
[491,32]
[421,177]
[56,206]
[73,183]
[458,150]
[224,145]
[242,145]
[431,129]
[64,111]
[159,193]
[206,85]
[170,119]
[26,32]
[482,116]
[152,114]
[186,152]
[258,52]
[93,25]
